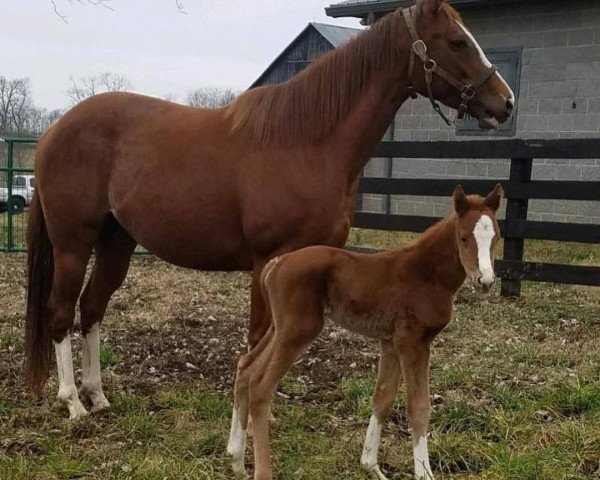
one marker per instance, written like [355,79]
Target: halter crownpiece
[419,49]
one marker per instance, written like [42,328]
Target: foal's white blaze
[484,233]
[237,443]
[67,391]
[92,380]
[485,60]
[421,457]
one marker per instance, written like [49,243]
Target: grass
[516,385]
[108,358]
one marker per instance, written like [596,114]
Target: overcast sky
[218,43]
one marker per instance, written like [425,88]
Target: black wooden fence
[519,188]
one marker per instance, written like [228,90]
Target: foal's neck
[436,253]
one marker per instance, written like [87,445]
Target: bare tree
[59,11]
[210,97]
[114,82]
[89,86]
[40,119]
[15,104]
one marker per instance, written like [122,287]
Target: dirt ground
[170,331]
[164,318]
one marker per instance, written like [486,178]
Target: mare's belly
[374,325]
[192,243]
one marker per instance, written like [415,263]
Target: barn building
[312,42]
[547,50]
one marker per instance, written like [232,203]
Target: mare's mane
[309,106]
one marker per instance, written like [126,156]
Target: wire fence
[17,184]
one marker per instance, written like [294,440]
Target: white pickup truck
[22,192]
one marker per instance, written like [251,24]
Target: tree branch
[180,7]
[58,14]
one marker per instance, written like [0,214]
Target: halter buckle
[420,49]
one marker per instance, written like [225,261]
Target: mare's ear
[430,7]
[461,203]
[494,197]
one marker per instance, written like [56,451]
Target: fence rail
[519,188]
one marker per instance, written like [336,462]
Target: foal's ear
[431,7]
[494,197]
[461,202]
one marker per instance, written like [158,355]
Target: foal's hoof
[77,413]
[240,471]
[99,404]
[375,472]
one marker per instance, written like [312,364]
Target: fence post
[516,209]
[9,186]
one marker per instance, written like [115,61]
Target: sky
[225,43]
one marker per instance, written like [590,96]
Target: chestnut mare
[222,189]
[402,298]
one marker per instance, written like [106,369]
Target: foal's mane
[309,106]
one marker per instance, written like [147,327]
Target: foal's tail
[40,269]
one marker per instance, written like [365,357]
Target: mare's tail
[40,269]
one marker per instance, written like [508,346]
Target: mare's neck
[360,131]
[360,134]
[437,255]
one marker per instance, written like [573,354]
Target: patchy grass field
[516,386]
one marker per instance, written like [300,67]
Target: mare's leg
[113,254]
[69,272]
[388,381]
[239,422]
[292,337]
[414,355]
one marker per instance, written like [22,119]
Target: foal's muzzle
[485,283]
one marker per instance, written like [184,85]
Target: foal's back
[370,295]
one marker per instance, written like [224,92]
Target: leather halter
[467,90]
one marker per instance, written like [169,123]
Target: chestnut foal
[402,297]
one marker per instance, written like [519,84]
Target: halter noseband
[467,90]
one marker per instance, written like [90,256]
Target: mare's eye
[463,238]
[462,43]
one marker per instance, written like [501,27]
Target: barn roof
[334,34]
[362,8]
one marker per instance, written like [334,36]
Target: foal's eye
[461,43]
[463,238]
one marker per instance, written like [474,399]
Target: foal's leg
[414,355]
[288,343]
[113,254]
[239,422]
[69,272]
[388,381]
[260,315]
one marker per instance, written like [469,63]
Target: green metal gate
[16,189]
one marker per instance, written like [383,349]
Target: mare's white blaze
[421,456]
[484,233]
[67,391]
[237,443]
[92,380]
[485,60]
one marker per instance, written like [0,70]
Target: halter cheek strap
[419,49]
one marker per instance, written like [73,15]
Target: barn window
[508,61]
